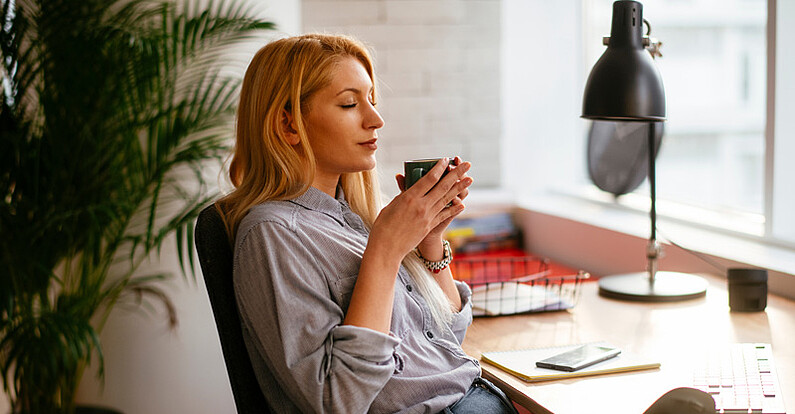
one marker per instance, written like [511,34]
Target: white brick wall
[438,64]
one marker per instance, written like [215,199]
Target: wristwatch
[436,267]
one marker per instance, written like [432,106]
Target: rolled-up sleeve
[295,326]
[463,318]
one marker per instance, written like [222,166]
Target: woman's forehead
[349,74]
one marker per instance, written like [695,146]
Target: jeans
[482,398]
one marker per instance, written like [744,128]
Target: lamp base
[667,287]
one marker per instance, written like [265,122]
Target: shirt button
[409,288]
[429,334]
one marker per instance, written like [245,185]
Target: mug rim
[426,159]
[436,159]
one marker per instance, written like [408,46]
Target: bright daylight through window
[714,64]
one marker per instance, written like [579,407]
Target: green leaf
[110,111]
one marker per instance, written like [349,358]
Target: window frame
[534,189]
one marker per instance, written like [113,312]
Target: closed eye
[349,106]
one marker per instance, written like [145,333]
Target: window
[714,72]
[720,161]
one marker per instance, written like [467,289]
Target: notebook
[522,363]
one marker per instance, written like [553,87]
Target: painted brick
[487,106]
[482,83]
[478,36]
[483,12]
[449,129]
[406,83]
[473,130]
[438,63]
[400,151]
[425,12]
[426,106]
[483,128]
[484,175]
[389,36]
[438,60]
[449,84]
[482,60]
[402,126]
[324,13]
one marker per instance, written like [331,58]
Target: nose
[373,119]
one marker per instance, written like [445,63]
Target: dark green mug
[415,169]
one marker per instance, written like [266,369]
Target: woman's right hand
[411,215]
[398,229]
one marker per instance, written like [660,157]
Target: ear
[288,128]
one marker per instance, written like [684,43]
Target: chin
[369,164]
[359,167]
[367,167]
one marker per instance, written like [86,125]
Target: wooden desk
[673,333]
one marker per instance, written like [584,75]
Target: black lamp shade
[624,84]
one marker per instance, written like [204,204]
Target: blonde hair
[283,75]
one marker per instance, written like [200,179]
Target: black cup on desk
[747,289]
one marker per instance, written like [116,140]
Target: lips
[370,144]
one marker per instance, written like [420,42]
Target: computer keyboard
[741,378]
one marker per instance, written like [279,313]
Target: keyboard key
[742,379]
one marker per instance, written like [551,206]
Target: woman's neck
[327,184]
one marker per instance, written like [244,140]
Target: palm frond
[29,363]
[110,111]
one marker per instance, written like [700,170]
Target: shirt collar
[316,200]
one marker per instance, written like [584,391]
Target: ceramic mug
[415,169]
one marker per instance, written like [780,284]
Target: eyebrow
[354,90]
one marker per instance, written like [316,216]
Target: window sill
[605,238]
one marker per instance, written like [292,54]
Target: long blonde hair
[283,75]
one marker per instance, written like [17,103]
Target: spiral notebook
[522,363]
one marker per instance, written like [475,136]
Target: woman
[339,311]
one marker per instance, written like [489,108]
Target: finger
[456,201]
[455,176]
[449,213]
[444,224]
[455,190]
[462,195]
[401,182]
[429,180]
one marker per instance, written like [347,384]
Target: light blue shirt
[295,266]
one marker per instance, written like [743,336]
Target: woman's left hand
[431,245]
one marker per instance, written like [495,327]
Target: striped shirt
[295,266]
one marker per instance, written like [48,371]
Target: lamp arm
[653,249]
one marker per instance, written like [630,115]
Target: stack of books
[484,232]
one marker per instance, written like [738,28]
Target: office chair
[215,258]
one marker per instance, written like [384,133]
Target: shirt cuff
[364,343]
[464,291]
[463,318]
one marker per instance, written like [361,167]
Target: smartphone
[579,358]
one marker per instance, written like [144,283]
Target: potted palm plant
[110,111]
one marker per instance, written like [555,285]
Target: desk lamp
[625,86]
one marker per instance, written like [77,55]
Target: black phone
[579,358]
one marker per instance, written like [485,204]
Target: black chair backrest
[215,258]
